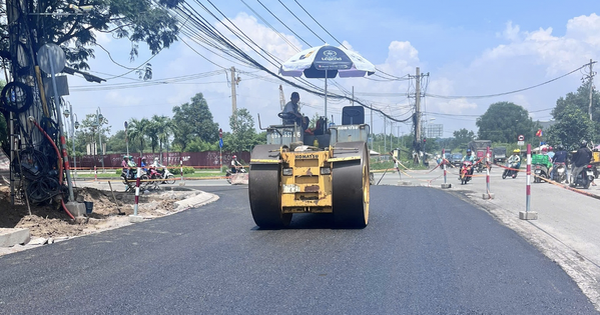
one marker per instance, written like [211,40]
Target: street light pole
[99,120]
[72,127]
[75,126]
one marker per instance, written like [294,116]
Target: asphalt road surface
[424,251]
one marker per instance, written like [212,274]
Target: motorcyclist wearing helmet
[143,165]
[581,159]
[468,157]
[235,164]
[156,163]
[560,157]
[514,160]
[551,152]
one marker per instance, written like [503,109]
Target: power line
[507,93]
[297,18]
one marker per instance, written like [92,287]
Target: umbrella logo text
[330,55]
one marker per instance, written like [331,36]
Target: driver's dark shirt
[560,157]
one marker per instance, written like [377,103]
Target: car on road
[455,159]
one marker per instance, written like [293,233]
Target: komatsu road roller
[323,172]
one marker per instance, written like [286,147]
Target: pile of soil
[50,221]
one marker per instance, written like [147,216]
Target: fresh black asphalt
[424,252]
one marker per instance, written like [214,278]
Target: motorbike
[466,172]
[540,171]
[560,173]
[228,173]
[511,170]
[584,178]
[479,167]
[162,173]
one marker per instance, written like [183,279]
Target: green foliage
[116,143]
[581,100]
[462,137]
[176,169]
[136,132]
[503,122]
[198,145]
[90,132]
[136,20]
[572,126]
[243,134]
[194,120]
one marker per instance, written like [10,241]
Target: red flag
[539,133]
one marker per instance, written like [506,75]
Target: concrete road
[425,251]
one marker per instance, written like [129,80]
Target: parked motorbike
[228,173]
[511,170]
[584,178]
[540,171]
[466,172]
[560,173]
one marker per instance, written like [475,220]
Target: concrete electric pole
[591,77]
[234,82]
[418,109]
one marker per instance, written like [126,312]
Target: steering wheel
[286,116]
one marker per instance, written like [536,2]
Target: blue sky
[471,48]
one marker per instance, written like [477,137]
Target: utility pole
[384,134]
[234,82]
[591,77]
[418,111]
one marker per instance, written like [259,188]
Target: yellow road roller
[324,172]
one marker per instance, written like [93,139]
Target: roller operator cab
[323,172]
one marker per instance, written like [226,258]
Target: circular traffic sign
[521,138]
[51,58]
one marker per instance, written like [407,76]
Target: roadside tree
[572,125]
[136,131]
[135,20]
[504,122]
[243,134]
[462,137]
[194,120]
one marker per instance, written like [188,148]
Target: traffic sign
[521,138]
[520,143]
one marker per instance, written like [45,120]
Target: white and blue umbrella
[327,62]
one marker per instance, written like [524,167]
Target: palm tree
[164,128]
[137,131]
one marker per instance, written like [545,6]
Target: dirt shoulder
[49,223]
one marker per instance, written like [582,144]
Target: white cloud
[511,33]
